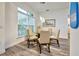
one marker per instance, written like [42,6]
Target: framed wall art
[50,22]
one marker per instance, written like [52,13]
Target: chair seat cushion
[33,37]
[39,39]
[42,42]
[53,37]
[34,34]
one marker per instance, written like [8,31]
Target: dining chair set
[43,37]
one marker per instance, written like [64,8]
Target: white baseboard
[14,43]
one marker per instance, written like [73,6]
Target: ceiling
[46,9]
[48,6]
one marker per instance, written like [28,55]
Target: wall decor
[50,22]
[74,15]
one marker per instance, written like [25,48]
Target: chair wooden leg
[28,43]
[49,48]
[37,42]
[40,48]
[58,43]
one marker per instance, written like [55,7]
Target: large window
[31,22]
[25,19]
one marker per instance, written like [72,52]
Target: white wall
[62,23]
[74,42]
[11,24]
[61,16]
[2,27]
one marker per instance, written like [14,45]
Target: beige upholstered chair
[38,31]
[31,37]
[44,40]
[50,30]
[31,33]
[55,36]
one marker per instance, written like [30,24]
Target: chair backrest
[29,32]
[57,33]
[38,29]
[44,37]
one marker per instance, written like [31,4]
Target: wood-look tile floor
[22,50]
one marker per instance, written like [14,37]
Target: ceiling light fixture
[42,2]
